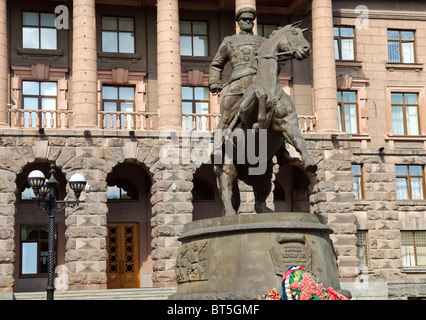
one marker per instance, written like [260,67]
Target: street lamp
[45,196]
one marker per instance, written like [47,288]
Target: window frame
[118,31]
[40,98]
[192,34]
[408,179]
[361,180]
[404,113]
[118,103]
[39,27]
[363,243]
[194,108]
[39,274]
[342,111]
[261,28]
[414,245]
[400,41]
[339,42]
[120,182]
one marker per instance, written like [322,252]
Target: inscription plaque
[290,250]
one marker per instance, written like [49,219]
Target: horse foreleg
[262,188]
[228,187]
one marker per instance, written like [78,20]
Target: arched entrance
[205,194]
[31,233]
[129,239]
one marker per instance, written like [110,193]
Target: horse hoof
[311,168]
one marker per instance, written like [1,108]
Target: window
[405,114]
[357,181]
[348,114]
[409,182]
[193,38]
[122,189]
[39,96]
[118,35]
[202,191]
[344,43]
[195,100]
[413,247]
[38,31]
[362,251]
[118,102]
[401,46]
[34,249]
[265,30]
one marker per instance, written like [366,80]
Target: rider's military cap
[245,13]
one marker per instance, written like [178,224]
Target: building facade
[117,91]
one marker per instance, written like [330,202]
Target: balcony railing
[128,120]
[113,120]
[23,118]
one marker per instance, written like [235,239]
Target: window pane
[348,49]
[393,51]
[412,121]
[346,32]
[410,98]
[47,19]
[127,93]
[27,194]
[350,119]
[416,170]
[48,39]
[30,103]
[125,24]
[30,18]
[421,256]
[185,27]
[420,237]
[356,169]
[127,42]
[336,49]
[201,93]
[186,45]
[397,120]
[201,107]
[339,113]
[113,193]
[29,232]
[407,35]
[49,104]
[109,41]
[199,28]
[356,183]
[416,188]
[401,189]
[393,34]
[29,258]
[408,258]
[109,92]
[110,106]
[200,46]
[30,38]
[267,30]
[336,31]
[30,88]
[397,98]
[48,89]
[407,52]
[44,254]
[187,93]
[349,96]
[109,23]
[186,107]
[401,170]
[126,107]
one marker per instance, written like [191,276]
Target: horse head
[290,39]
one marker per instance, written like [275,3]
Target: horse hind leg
[262,187]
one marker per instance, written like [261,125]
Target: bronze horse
[264,106]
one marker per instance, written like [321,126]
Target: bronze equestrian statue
[256,101]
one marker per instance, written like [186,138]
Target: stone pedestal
[243,257]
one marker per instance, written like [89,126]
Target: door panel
[123,255]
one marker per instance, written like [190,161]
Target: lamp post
[45,196]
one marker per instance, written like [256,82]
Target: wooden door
[123,255]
